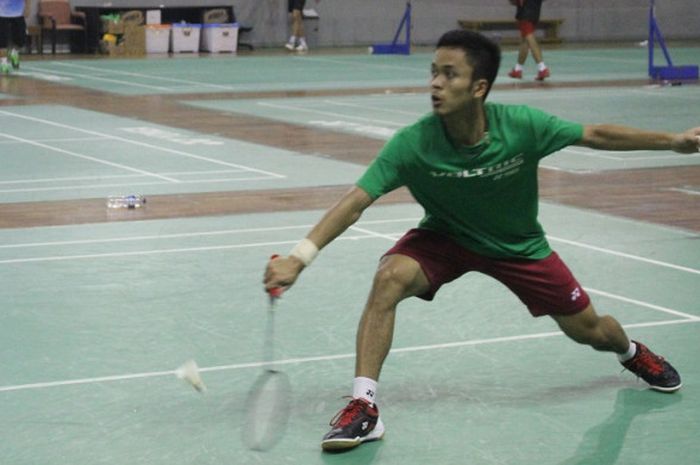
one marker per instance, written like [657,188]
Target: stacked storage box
[184,37]
[157,38]
[219,37]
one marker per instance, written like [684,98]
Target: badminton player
[472,165]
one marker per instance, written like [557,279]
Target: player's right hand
[282,272]
[687,142]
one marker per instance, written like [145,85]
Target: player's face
[451,86]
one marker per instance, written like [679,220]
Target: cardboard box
[184,37]
[134,40]
[220,37]
[157,38]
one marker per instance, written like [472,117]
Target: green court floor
[192,74]
[381,115]
[98,317]
[53,152]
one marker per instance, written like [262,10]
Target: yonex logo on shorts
[575,294]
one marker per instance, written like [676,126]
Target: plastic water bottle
[126,201]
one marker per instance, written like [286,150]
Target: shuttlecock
[189,371]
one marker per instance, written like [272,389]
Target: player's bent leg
[600,332]
[606,334]
[397,278]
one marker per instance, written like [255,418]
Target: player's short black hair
[483,54]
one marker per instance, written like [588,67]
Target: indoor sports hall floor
[98,312]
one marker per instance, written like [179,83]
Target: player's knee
[395,275]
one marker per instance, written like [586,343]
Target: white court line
[641,303]
[367,107]
[570,242]
[39,72]
[683,191]
[367,234]
[198,84]
[142,144]
[664,157]
[592,154]
[322,358]
[224,232]
[625,255]
[666,95]
[116,176]
[329,113]
[424,71]
[600,154]
[156,252]
[567,170]
[392,237]
[93,159]
[76,178]
[56,139]
[634,61]
[98,186]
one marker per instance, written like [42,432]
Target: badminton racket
[268,404]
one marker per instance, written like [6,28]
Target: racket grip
[275,292]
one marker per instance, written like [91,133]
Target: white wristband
[305,251]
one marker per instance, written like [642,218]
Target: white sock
[541,66]
[631,352]
[364,388]
[302,41]
[293,40]
[518,67]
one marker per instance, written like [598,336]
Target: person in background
[13,30]
[297,41]
[527,15]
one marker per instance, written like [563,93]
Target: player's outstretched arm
[284,271]
[613,137]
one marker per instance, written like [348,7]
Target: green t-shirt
[483,196]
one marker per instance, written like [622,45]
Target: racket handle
[275,292]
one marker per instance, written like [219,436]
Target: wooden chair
[57,16]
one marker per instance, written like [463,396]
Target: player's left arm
[613,137]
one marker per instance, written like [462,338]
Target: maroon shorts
[545,286]
[526,27]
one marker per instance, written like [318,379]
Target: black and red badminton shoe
[653,369]
[358,422]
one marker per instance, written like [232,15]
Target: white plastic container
[153,16]
[157,38]
[184,37]
[220,37]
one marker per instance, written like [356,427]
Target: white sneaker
[302,48]
[5,66]
[289,46]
